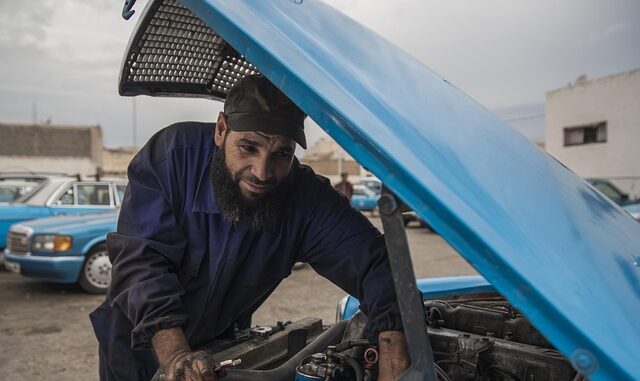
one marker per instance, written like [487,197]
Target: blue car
[17,186]
[56,195]
[64,249]
[364,199]
[633,210]
[613,192]
[559,296]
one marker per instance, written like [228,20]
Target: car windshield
[360,190]
[18,189]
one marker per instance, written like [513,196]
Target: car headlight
[51,242]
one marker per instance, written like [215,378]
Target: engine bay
[488,339]
[473,337]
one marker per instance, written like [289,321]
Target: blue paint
[430,288]
[127,9]
[86,231]
[303,377]
[543,237]
[584,362]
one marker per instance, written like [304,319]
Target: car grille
[18,243]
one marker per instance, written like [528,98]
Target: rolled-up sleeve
[344,247]
[146,252]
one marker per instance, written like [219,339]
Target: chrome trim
[58,192]
[21,229]
[342,306]
[38,258]
[74,183]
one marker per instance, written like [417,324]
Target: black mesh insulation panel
[174,53]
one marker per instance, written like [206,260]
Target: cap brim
[269,124]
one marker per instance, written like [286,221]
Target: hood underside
[556,248]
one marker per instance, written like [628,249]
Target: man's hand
[394,355]
[177,361]
[191,366]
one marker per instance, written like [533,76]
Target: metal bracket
[470,349]
[409,299]
[127,9]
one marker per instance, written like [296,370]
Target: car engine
[473,337]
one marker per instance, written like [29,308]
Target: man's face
[259,162]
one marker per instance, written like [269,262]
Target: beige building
[50,148]
[593,127]
[115,161]
[328,159]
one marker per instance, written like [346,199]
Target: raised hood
[556,248]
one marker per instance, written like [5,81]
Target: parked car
[560,295]
[60,195]
[19,186]
[372,183]
[364,199]
[411,216]
[633,210]
[610,190]
[63,249]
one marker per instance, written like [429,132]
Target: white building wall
[71,166]
[614,99]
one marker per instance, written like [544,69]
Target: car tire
[95,276]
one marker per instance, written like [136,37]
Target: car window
[67,198]
[120,188]
[608,191]
[17,190]
[359,192]
[93,194]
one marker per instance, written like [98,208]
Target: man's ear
[221,130]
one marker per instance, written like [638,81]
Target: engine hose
[287,371]
[355,366]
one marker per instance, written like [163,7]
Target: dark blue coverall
[176,262]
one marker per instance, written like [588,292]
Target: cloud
[609,32]
[65,55]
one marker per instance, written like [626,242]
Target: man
[214,217]
[344,186]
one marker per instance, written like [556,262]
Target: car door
[83,197]
[118,191]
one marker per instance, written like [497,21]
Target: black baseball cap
[255,104]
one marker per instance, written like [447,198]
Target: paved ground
[45,333]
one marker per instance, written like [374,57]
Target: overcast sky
[64,56]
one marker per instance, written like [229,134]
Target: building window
[592,133]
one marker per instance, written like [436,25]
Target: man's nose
[262,169]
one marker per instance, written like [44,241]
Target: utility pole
[34,113]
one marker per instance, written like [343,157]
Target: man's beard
[257,212]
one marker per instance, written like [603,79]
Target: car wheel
[95,276]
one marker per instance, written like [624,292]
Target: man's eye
[249,149]
[282,155]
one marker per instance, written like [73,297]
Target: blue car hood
[556,248]
[71,223]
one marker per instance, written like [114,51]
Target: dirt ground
[45,332]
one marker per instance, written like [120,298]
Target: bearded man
[214,217]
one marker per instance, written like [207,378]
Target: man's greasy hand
[191,366]
[394,355]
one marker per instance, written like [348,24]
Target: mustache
[254,180]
